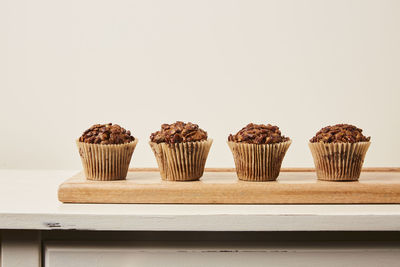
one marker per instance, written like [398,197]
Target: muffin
[106,151]
[181,150]
[339,152]
[258,151]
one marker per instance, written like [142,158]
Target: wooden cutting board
[220,186]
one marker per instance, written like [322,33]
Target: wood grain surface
[220,186]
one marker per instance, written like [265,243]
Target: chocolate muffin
[340,133]
[181,150]
[179,132]
[106,151]
[258,151]
[258,134]
[106,134]
[339,152]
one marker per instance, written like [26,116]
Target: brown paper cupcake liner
[181,161]
[258,162]
[339,161]
[106,162]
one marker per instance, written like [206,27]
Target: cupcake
[106,151]
[339,152]
[258,151]
[181,150]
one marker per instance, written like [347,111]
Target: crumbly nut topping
[179,132]
[258,134]
[340,133]
[106,134]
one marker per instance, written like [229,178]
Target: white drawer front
[61,255]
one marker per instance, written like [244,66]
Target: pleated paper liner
[258,162]
[106,162]
[339,161]
[181,161]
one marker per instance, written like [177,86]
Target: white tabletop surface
[28,200]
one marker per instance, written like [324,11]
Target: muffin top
[178,132]
[258,134]
[340,133]
[106,134]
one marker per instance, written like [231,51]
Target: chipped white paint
[28,200]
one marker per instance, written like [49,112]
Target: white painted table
[28,201]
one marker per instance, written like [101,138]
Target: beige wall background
[65,65]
